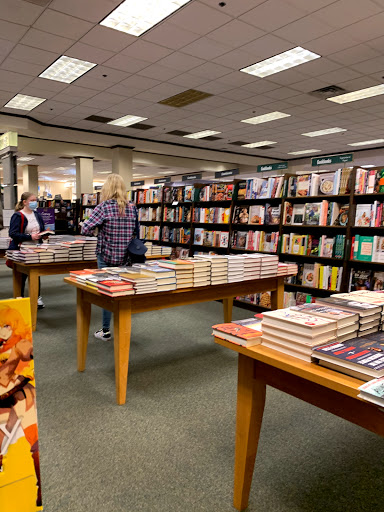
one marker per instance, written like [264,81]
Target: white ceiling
[202,46]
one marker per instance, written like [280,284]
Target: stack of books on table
[252,267]
[287,269]
[115,287]
[165,277]
[75,248]
[60,253]
[269,265]
[201,271]
[45,255]
[24,256]
[89,248]
[183,269]
[141,283]
[219,268]
[82,275]
[296,333]
[361,357]
[373,391]
[246,333]
[235,268]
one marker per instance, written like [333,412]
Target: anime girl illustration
[17,385]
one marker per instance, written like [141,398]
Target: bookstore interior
[216,168]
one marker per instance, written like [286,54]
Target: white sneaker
[40,303]
[101,335]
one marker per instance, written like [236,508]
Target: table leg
[122,337]
[83,313]
[250,408]
[277,296]
[33,286]
[17,279]
[227,306]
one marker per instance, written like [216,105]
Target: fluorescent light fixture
[67,69]
[281,62]
[136,175]
[136,17]
[259,144]
[368,166]
[127,120]
[23,102]
[25,158]
[272,116]
[201,135]
[328,131]
[366,142]
[104,172]
[169,172]
[362,94]
[304,151]
[60,169]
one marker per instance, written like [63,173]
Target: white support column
[31,178]
[84,175]
[9,180]
[122,163]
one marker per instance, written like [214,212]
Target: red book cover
[237,330]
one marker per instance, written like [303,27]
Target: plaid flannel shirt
[115,231]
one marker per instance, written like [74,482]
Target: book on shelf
[298,213]
[256,214]
[303,185]
[360,279]
[368,181]
[373,391]
[377,282]
[338,214]
[264,188]
[272,214]
[364,215]
[363,248]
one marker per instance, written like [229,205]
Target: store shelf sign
[162,180]
[223,174]
[335,159]
[137,183]
[272,167]
[190,177]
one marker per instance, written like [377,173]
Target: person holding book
[117,223]
[26,226]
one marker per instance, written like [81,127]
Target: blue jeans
[107,315]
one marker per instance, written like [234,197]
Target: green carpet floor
[170,448]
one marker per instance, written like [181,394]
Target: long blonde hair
[114,188]
[24,197]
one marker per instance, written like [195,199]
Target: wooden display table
[260,366]
[35,270]
[124,307]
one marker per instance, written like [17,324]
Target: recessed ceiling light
[23,102]
[258,144]
[304,151]
[104,172]
[25,158]
[127,120]
[169,172]
[135,17]
[67,69]
[362,94]
[265,118]
[201,135]
[281,62]
[366,142]
[328,131]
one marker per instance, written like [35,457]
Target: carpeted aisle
[170,448]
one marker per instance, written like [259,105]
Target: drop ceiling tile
[304,30]
[55,108]
[5,96]
[62,25]
[346,12]
[112,76]
[20,12]
[17,79]
[107,38]
[210,71]
[281,93]
[126,63]
[288,77]
[319,67]
[238,106]
[367,29]
[376,45]
[89,10]
[39,93]
[33,55]
[234,94]
[146,51]
[158,72]
[25,68]
[181,61]
[236,33]
[237,79]
[199,18]
[267,46]
[369,66]
[302,99]
[63,120]
[42,117]
[187,81]
[86,125]
[236,59]
[206,48]
[359,83]
[309,7]
[44,40]
[273,14]
[48,85]
[5,47]
[94,83]
[331,43]
[130,106]
[124,90]
[170,36]
[106,100]
[89,53]
[80,112]
[12,31]
[261,86]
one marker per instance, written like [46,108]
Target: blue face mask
[33,205]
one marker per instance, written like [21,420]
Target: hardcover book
[306,324]
[312,214]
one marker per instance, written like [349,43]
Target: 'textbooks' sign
[189,177]
[272,167]
[335,159]
[162,180]
[137,183]
[222,174]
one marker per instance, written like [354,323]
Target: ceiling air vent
[185,98]
[328,92]
[178,132]
[98,119]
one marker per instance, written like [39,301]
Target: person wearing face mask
[25,226]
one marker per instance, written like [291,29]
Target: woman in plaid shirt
[117,222]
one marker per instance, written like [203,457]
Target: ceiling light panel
[127,120]
[258,144]
[25,158]
[201,135]
[328,131]
[362,94]
[366,142]
[304,151]
[281,62]
[23,102]
[135,18]
[272,116]
[67,69]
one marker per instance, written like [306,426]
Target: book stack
[45,256]
[296,333]
[362,358]
[166,251]
[89,248]
[75,248]
[219,268]
[373,391]
[235,268]
[155,250]
[91,280]
[82,275]
[115,287]
[201,271]
[269,265]
[141,283]
[252,267]
[26,256]
[165,277]
[60,253]
[246,333]
[183,269]
[286,269]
